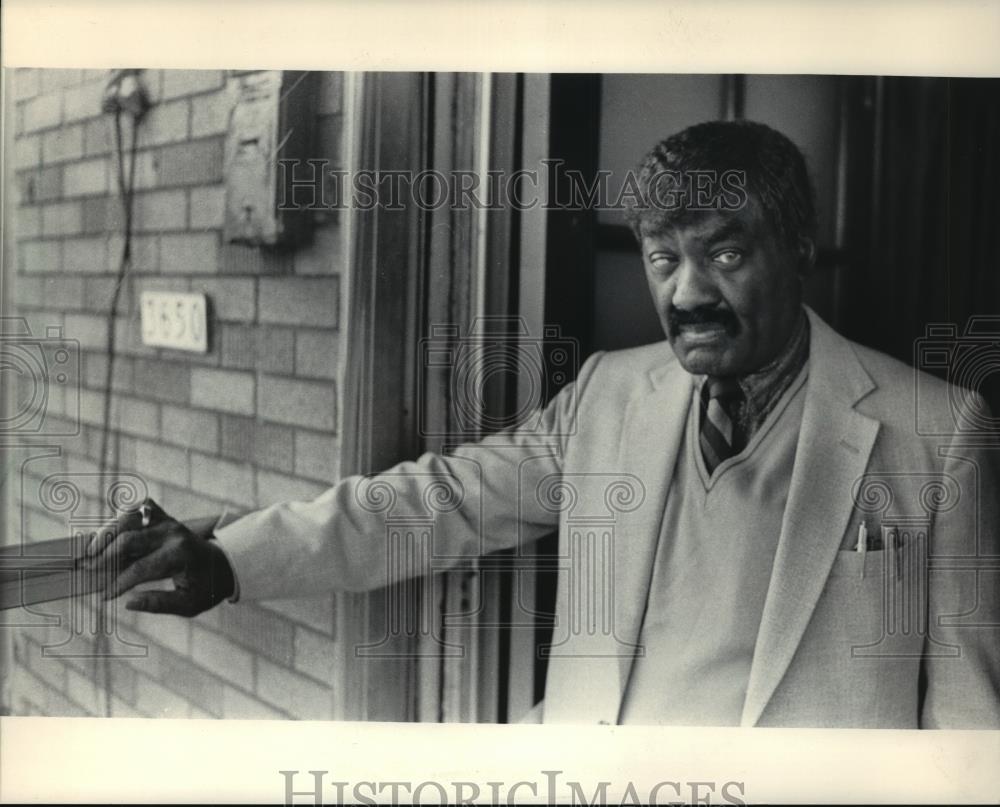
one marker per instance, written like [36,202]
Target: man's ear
[807,254]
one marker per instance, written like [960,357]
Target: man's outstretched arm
[364,532]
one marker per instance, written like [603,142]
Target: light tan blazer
[893,638]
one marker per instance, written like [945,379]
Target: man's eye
[728,257]
[662,263]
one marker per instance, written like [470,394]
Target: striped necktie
[720,435]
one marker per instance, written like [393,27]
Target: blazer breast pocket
[860,566]
[851,611]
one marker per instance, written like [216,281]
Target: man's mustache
[679,317]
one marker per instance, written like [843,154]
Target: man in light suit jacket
[761,523]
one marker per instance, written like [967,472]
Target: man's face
[726,291]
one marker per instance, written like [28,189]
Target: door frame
[412,269]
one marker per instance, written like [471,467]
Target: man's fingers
[105,535]
[162,563]
[131,520]
[135,544]
[163,602]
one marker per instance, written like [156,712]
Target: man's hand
[165,548]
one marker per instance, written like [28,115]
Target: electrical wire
[109,457]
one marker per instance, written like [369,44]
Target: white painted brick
[50,670]
[41,256]
[62,291]
[298,695]
[237,705]
[91,407]
[128,337]
[42,111]
[31,692]
[187,504]
[177,83]
[59,403]
[210,113]
[31,290]
[85,692]
[150,662]
[166,123]
[145,253]
[222,390]
[312,404]
[98,292]
[65,143]
[274,488]
[45,526]
[27,82]
[233,299]
[316,354]
[135,416]
[317,455]
[161,210]
[162,462]
[173,632]
[41,186]
[84,101]
[29,222]
[300,301]
[87,177]
[157,283]
[48,700]
[221,656]
[158,701]
[55,77]
[316,655]
[190,253]
[89,329]
[208,207]
[147,174]
[190,427]
[154,84]
[314,612]
[27,151]
[94,74]
[120,708]
[222,479]
[86,255]
[98,138]
[63,218]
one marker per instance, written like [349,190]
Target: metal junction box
[273,118]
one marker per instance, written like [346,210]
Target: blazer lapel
[652,441]
[835,442]
[587,676]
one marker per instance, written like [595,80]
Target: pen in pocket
[893,546]
[862,545]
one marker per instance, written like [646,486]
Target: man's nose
[694,287]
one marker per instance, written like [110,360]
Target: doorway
[901,169]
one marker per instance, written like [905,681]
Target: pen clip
[862,545]
[893,546]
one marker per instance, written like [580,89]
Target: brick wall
[252,422]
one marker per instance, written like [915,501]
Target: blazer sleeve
[411,519]
[962,649]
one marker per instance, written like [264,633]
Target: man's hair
[738,161]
